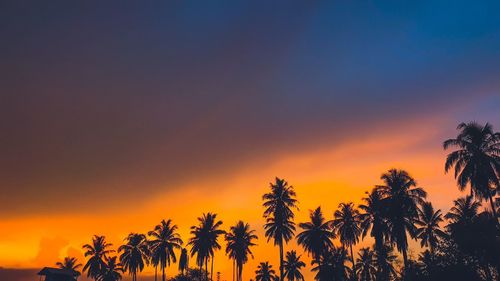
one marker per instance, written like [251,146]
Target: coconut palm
[112,270]
[385,260]
[476,161]
[239,240]
[279,204]
[316,235]
[366,265]
[427,223]
[265,272]
[204,240]
[347,226]
[464,210]
[293,265]
[96,251]
[70,263]
[400,199]
[371,218]
[331,265]
[164,240]
[183,261]
[134,254]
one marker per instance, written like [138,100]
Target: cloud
[49,250]
[142,101]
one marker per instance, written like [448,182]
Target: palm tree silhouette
[265,272]
[401,197]
[372,219]
[112,270]
[183,261]
[134,254]
[464,210]
[385,259]
[164,240]
[292,266]
[330,265]
[279,215]
[239,240]
[70,263]
[96,252]
[347,226]
[366,265]
[316,235]
[204,240]
[476,161]
[427,223]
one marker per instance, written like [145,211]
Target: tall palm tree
[134,254]
[279,215]
[428,230]
[96,251]
[204,240]
[292,266]
[239,240]
[372,219]
[400,198]
[366,265]
[347,226]
[464,210]
[265,272]
[164,240]
[476,161]
[183,261]
[112,270]
[316,235]
[70,263]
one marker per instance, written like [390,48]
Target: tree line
[462,244]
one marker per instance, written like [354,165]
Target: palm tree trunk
[211,270]
[156,273]
[353,265]
[206,267]
[201,272]
[240,272]
[405,262]
[163,273]
[234,272]
[281,260]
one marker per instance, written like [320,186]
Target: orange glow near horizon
[325,177]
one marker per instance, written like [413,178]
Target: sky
[115,115]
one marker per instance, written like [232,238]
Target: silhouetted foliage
[293,266]
[279,215]
[239,240]
[183,261]
[164,240]
[265,272]
[461,245]
[134,254]
[400,199]
[346,223]
[191,274]
[96,252]
[427,223]
[476,161]
[330,266]
[204,240]
[366,265]
[70,263]
[112,270]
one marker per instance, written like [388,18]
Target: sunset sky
[116,115]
